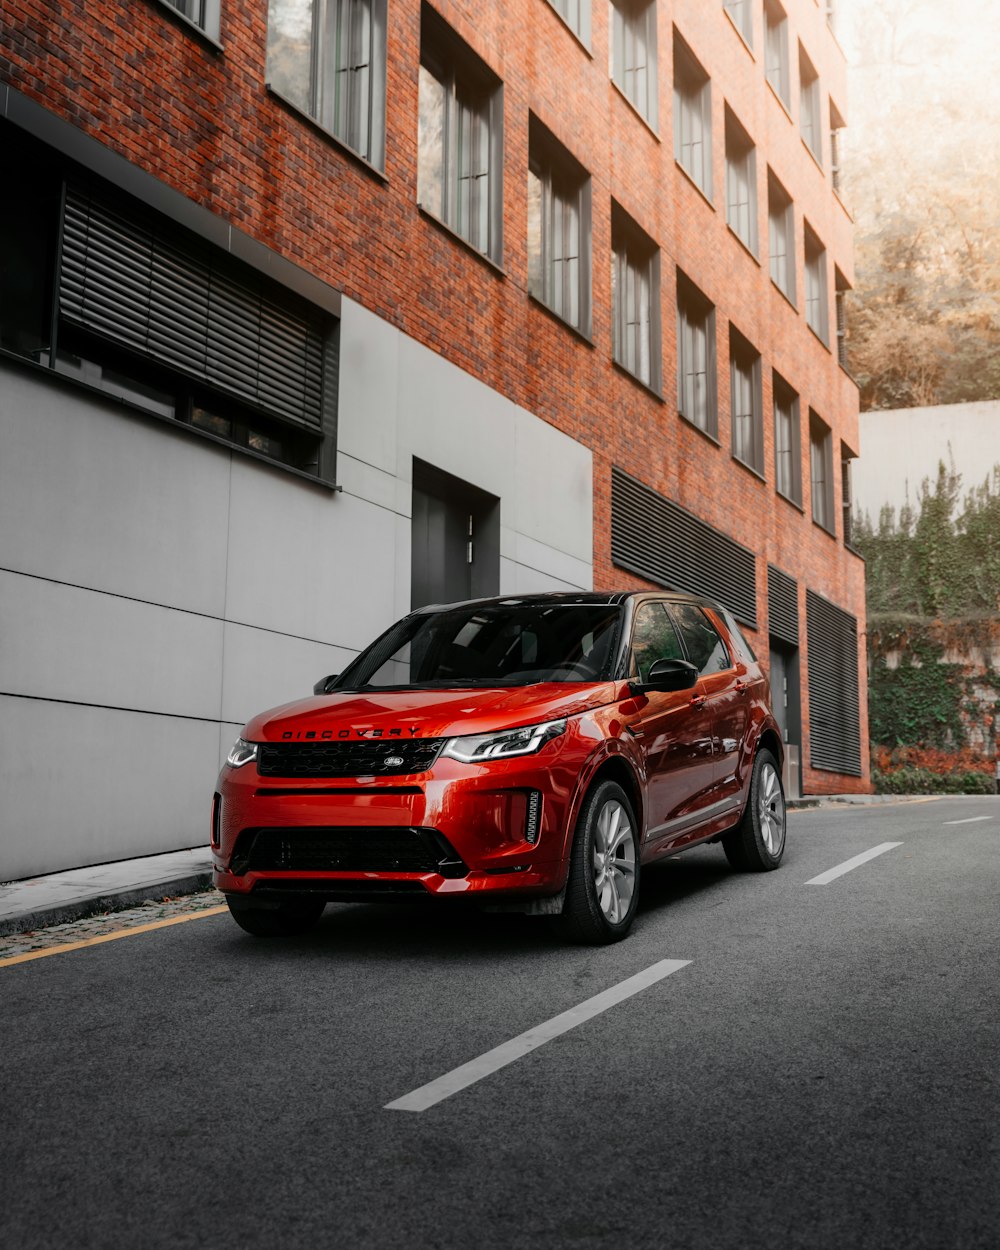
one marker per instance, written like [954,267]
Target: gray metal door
[787,706]
[455,539]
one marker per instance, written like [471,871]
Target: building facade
[315,310]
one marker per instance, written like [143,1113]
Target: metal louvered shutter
[782,606]
[658,540]
[834,721]
[130,282]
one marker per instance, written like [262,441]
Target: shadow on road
[442,929]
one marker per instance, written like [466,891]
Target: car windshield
[515,644]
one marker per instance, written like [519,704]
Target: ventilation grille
[367,758]
[125,280]
[782,606]
[834,721]
[369,849]
[662,542]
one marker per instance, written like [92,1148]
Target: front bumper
[500,829]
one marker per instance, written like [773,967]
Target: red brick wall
[148,87]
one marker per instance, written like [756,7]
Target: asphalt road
[821,1073]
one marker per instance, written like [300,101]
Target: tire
[757,843]
[602,890]
[285,920]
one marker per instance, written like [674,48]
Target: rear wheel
[603,887]
[758,842]
[284,920]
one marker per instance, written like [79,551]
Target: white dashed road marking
[500,1056]
[969,820]
[832,873]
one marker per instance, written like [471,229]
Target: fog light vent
[216,818]
[533,822]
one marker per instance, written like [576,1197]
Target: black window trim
[98,166]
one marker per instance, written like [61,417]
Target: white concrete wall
[901,447]
[157,590]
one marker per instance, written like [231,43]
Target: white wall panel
[94,496]
[84,785]
[60,642]
[518,579]
[551,562]
[553,490]
[453,421]
[304,561]
[369,367]
[902,446]
[263,670]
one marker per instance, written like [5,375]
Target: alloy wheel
[614,861]
[771,810]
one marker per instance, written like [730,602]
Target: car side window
[701,639]
[653,638]
[739,640]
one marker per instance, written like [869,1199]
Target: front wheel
[757,843]
[285,920]
[603,886]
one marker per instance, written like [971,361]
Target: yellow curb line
[109,937]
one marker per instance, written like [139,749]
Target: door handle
[742,687]
[698,700]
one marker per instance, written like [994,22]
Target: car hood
[426,713]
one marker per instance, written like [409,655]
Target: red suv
[531,753]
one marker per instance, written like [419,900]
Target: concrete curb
[861,800]
[117,900]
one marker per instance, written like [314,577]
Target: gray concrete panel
[369,373]
[93,495]
[554,492]
[262,670]
[61,642]
[306,563]
[84,785]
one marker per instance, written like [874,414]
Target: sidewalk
[60,897]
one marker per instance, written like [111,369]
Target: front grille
[367,758]
[368,849]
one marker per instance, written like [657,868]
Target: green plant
[912,780]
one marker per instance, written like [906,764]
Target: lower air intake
[395,849]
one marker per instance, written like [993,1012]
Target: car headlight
[241,752]
[475,748]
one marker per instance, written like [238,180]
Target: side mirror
[666,675]
[325,684]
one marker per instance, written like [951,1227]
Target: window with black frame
[692,117]
[696,389]
[104,291]
[558,229]
[460,145]
[201,13]
[576,15]
[328,59]
[746,402]
[787,441]
[635,299]
[741,182]
[781,237]
[776,65]
[632,55]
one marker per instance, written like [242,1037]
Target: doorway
[786,701]
[455,539]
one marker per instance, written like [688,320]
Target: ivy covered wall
[933,586]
